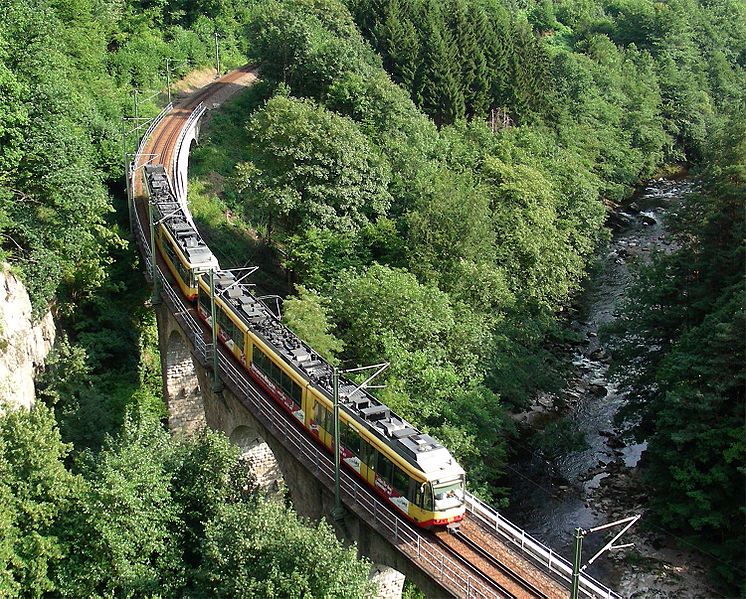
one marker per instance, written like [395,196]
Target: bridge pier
[181,385]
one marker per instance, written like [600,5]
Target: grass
[223,143]
[217,209]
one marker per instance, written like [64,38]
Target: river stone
[597,354]
[598,390]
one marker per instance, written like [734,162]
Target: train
[409,469]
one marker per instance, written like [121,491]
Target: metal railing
[178,183]
[153,124]
[410,541]
[533,549]
[406,538]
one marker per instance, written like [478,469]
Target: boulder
[598,390]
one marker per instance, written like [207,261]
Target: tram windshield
[449,495]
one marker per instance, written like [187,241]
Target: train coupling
[453,527]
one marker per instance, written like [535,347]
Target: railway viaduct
[272,454]
[228,400]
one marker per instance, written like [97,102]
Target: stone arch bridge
[277,447]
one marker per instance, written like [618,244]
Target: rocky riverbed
[600,483]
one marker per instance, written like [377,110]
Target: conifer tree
[532,78]
[399,44]
[494,35]
[523,88]
[479,92]
[466,50]
[440,91]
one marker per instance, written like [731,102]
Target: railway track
[161,145]
[474,555]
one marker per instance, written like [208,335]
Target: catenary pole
[217,57]
[155,297]
[217,384]
[127,173]
[576,563]
[168,78]
[338,511]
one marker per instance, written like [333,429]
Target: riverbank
[599,483]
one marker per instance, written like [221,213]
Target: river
[550,500]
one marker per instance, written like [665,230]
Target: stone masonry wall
[390,582]
[186,411]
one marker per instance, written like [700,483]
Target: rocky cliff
[24,344]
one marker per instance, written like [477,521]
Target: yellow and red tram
[409,469]
[416,474]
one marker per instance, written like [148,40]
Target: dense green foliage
[310,166]
[460,58]
[152,516]
[263,550]
[106,503]
[67,74]
[498,225]
[35,490]
[683,356]
[446,246]
[477,233]
[307,316]
[624,68]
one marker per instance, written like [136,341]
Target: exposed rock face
[24,344]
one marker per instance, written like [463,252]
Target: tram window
[385,468]
[318,414]
[204,301]
[352,440]
[400,481]
[223,320]
[284,379]
[237,337]
[412,490]
[175,261]
[257,358]
[297,394]
[327,421]
[427,502]
[368,455]
[419,491]
[277,374]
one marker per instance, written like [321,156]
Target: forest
[431,181]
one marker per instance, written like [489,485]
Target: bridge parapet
[418,547]
[189,133]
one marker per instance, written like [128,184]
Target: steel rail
[495,562]
[407,539]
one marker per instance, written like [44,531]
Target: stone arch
[389,581]
[258,455]
[186,408]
